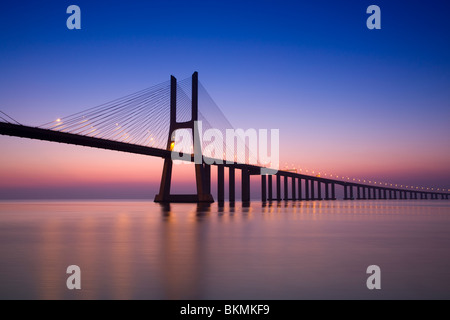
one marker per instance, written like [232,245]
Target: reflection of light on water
[306,249]
[121,257]
[181,247]
[50,254]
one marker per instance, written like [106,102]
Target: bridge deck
[74,139]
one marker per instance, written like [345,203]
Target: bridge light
[58,120]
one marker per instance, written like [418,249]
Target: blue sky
[337,90]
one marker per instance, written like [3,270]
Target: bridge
[137,124]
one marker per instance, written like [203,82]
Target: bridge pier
[299,189]
[221,184]
[351,192]
[364,193]
[319,190]
[231,184]
[345,192]
[294,193]
[286,191]
[327,196]
[312,190]
[278,187]
[269,183]
[358,192]
[263,188]
[307,197]
[245,182]
[202,170]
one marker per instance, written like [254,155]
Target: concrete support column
[286,191]
[299,189]
[307,197]
[220,183]
[245,182]
[270,187]
[278,187]
[263,188]
[231,184]
[294,193]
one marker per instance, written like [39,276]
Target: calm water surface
[303,250]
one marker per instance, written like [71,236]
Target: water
[303,250]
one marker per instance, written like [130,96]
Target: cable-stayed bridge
[146,123]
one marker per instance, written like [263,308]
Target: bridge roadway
[315,188]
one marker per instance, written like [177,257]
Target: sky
[349,101]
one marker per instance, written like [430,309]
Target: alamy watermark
[213,146]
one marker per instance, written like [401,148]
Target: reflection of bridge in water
[145,122]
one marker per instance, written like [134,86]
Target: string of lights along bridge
[319,173]
[146,122]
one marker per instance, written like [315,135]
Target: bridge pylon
[202,170]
